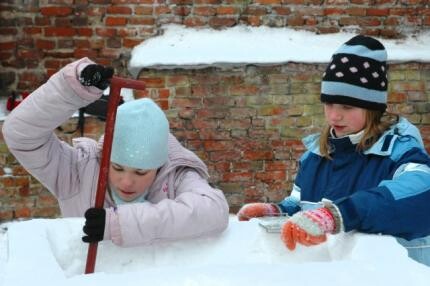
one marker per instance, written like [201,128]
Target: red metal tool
[114,98]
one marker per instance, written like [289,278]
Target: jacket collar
[382,147]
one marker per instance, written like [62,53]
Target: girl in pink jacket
[158,190]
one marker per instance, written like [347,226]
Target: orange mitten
[252,210]
[308,228]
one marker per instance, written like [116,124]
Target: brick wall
[245,123]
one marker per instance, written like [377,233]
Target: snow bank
[50,252]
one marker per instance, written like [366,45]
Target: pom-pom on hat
[140,135]
[357,75]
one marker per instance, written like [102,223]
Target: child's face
[130,183]
[345,119]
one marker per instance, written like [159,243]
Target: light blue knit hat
[140,135]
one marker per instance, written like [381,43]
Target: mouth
[338,127]
[126,193]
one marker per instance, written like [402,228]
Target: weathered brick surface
[35,34]
[248,134]
[245,123]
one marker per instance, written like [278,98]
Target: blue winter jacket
[385,189]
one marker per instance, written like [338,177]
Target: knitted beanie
[357,75]
[140,135]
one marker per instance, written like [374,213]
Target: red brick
[7,46]
[23,212]
[145,21]
[216,145]
[56,11]
[377,12]
[32,30]
[130,43]
[204,11]
[140,93]
[333,11]
[214,2]
[87,32]
[276,165]
[244,90]
[115,21]
[48,212]
[237,176]
[42,21]
[105,32]
[164,104]
[268,2]
[110,53]
[80,53]
[218,22]
[270,176]
[164,93]
[153,82]
[232,155]
[8,31]
[160,10]
[296,21]
[227,10]
[119,10]
[222,166]
[194,22]
[258,155]
[6,215]
[59,32]
[45,44]
[85,44]
[53,64]
[143,10]
[355,11]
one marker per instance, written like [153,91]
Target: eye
[141,172]
[117,167]
[347,107]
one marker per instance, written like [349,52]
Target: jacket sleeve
[29,130]
[197,210]
[398,206]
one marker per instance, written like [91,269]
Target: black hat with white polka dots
[357,75]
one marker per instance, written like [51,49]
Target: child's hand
[252,210]
[308,228]
[94,227]
[96,75]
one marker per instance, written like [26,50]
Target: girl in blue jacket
[367,170]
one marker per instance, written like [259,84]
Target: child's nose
[335,115]
[126,181]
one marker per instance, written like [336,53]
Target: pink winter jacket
[180,203]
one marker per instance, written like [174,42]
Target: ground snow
[50,252]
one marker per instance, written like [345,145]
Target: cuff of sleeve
[276,209]
[112,229]
[71,75]
[338,221]
[289,205]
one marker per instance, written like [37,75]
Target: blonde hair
[377,122]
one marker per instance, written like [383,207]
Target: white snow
[50,252]
[182,47]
